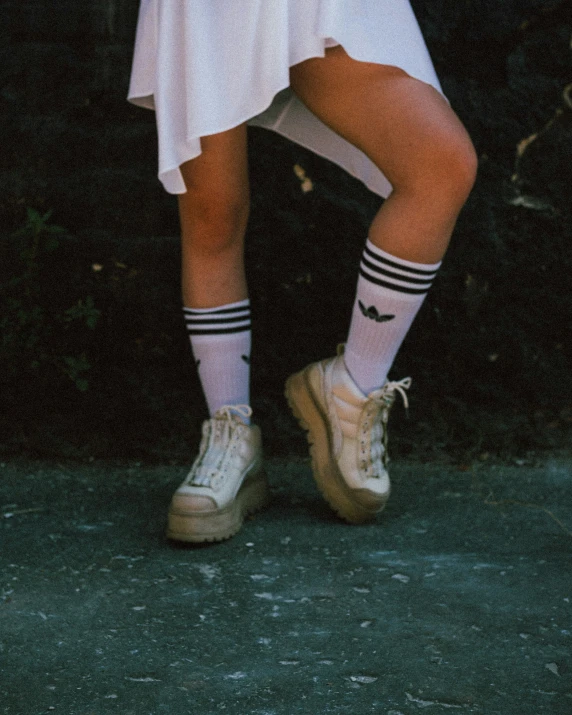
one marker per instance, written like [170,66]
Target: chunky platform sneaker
[226,481]
[347,431]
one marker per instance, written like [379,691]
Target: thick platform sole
[200,527]
[308,411]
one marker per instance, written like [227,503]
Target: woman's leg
[409,131]
[225,482]
[214,214]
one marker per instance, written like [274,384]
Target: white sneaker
[347,431]
[226,481]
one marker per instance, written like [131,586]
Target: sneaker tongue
[214,450]
[217,436]
[208,468]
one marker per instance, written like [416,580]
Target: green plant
[35,332]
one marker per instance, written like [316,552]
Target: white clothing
[206,66]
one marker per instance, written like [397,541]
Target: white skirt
[206,66]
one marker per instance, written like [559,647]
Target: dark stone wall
[490,351]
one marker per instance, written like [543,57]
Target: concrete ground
[459,599]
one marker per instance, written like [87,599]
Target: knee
[214,220]
[454,165]
[463,164]
[443,170]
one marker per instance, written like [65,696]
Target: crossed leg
[410,132]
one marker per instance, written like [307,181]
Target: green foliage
[35,333]
[83,310]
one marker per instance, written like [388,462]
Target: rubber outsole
[222,524]
[307,410]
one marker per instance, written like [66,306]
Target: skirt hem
[204,73]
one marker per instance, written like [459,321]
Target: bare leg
[214,214]
[409,131]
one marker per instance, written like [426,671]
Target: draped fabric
[206,66]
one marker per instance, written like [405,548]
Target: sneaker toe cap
[373,493]
[185,503]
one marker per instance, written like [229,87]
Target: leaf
[531,202]
[523,144]
[305,183]
[364,679]
[553,668]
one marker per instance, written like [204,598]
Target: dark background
[94,360]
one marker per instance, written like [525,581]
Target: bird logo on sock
[373,314]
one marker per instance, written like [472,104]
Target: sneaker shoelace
[217,439]
[381,402]
[385,396]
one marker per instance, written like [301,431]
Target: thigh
[393,118]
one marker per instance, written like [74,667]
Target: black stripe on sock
[196,320]
[392,286]
[397,276]
[395,264]
[218,331]
[216,311]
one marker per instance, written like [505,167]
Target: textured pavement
[458,600]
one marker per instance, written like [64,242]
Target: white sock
[390,292]
[221,341]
